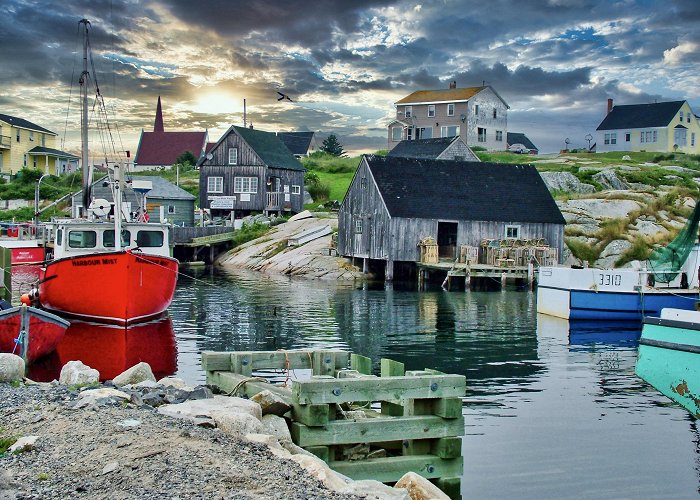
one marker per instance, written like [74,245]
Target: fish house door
[361,237]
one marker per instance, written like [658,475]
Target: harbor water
[552,410]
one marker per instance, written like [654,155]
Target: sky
[344,63]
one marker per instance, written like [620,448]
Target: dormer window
[233,156]
[408,112]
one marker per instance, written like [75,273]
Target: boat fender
[24,299]
[651,281]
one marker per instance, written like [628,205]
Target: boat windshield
[108,238]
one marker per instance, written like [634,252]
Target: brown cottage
[250,171]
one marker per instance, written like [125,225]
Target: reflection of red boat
[111,349]
[30,332]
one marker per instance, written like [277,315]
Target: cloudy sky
[344,63]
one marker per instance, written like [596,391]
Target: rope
[243,382]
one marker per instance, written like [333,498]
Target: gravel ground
[102,453]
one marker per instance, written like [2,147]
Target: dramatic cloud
[556,62]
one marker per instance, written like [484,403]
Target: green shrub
[639,250]
[249,232]
[478,148]
[583,251]
[320,191]
[612,229]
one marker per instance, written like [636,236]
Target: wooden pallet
[364,426]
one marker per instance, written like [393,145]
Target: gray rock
[178,383]
[237,424]
[93,396]
[672,177]
[565,181]
[587,230]
[25,443]
[586,210]
[419,487]
[609,180]
[134,375]
[271,403]
[200,392]
[204,407]
[648,228]
[110,467]
[276,426]
[307,198]
[11,367]
[682,170]
[612,253]
[76,372]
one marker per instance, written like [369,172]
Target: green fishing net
[665,262]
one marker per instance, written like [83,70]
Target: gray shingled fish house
[395,203]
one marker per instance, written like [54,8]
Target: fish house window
[82,239]
[215,185]
[245,185]
[152,239]
[233,156]
[513,232]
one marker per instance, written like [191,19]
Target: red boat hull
[117,287]
[45,332]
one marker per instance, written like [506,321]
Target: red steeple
[158,125]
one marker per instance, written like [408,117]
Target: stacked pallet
[364,426]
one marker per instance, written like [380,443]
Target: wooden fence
[364,426]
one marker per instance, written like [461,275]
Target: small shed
[164,202]
[393,204]
[441,148]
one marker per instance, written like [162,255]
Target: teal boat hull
[669,360]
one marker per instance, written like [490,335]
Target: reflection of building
[661,126]
[24,144]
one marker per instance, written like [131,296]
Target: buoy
[24,299]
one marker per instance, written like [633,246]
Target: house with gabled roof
[661,126]
[24,144]
[478,115]
[394,203]
[165,202]
[250,171]
[299,143]
[441,148]
[520,138]
[159,149]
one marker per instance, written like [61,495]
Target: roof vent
[453,84]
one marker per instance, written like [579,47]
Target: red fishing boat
[30,332]
[93,274]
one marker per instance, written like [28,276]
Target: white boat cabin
[73,238]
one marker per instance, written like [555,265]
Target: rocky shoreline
[135,437]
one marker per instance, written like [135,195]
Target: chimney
[158,125]
[453,85]
[610,105]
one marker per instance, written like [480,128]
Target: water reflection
[111,349]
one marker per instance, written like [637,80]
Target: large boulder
[609,180]
[565,181]
[277,427]
[193,409]
[78,373]
[134,375]
[237,424]
[419,488]
[612,253]
[11,367]
[584,211]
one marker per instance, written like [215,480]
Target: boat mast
[86,170]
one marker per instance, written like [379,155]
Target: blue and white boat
[615,294]
[669,356]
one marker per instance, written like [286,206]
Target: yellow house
[661,126]
[25,144]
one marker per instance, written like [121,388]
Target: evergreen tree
[186,157]
[332,146]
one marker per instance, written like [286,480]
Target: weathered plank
[216,361]
[391,469]
[449,447]
[380,389]
[391,368]
[311,415]
[451,486]
[280,360]
[228,382]
[376,430]
[448,407]
[362,364]
[322,452]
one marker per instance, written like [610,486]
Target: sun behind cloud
[217,102]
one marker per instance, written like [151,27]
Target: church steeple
[158,125]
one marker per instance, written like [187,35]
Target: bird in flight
[283,97]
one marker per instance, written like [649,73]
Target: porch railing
[274,200]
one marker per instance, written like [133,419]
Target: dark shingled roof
[270,148]
[22,123]
[428,149]
[163,189]
[657,114]
[520,138]
[297,142]
[163,148]
[457,190]
[41,150]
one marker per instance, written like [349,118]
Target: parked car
[518,148]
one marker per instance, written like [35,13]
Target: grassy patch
[338,184]
[323,162]
[612,229]
[42,476]
[249,232]
[639,250]
[583,251]
[276,249]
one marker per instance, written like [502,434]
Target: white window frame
[408,111]
[444,130]
[499,135]
[420,133]
[516,231]
[476,110]
[409,134]
[215,184]
[233,156]
[358,225]
[245,185]
[681,120]
[31,135]
[613,138]
[479,136]
[171,209]
[19,134]
[641,138]
[394,135]
[451,109]
[431,110]
[628,136]
[692,138]
[296,189]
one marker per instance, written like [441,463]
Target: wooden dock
[364,426]
[468,273]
